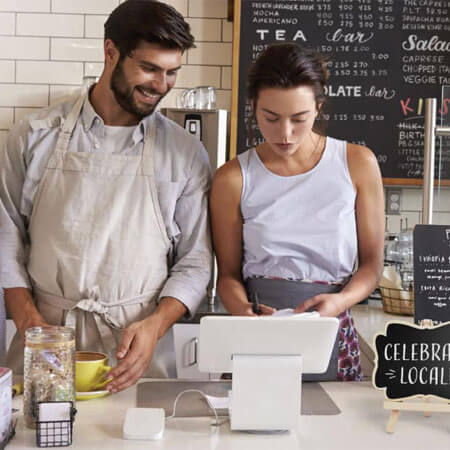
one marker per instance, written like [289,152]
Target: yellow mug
[90,371]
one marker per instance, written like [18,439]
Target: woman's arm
[226,224]
[369,207]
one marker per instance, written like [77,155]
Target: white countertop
[370,320]
[361,425]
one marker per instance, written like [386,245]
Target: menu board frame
[236,8]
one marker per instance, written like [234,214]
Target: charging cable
[215,424]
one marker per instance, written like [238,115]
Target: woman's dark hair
[147,20]
[288,65]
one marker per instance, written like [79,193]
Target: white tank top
[301,227]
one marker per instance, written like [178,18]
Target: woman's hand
[327,305]
[246,309]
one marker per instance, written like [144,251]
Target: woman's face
[285,118]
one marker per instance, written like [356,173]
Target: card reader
[144,423]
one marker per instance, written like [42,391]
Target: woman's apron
[280,294]
[99,247]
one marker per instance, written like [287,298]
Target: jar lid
[49,334]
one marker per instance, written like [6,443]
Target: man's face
[139,81]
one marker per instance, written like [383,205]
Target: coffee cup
[90,371]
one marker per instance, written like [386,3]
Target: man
[103,211]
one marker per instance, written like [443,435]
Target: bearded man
[103,206]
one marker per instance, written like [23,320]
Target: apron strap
[148,164]
[68,125]
[104,320]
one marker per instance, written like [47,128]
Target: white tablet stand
[266,356]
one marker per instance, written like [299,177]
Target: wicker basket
[397,301]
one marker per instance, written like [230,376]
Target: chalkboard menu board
[386,57]
[432,273]
[413,361]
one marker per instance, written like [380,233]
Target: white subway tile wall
[6,117]
[48,46]
[94,26]
[29,95]
[92,69]
[84,6]
[53,72]
[7,71]
[64,25]
[25,5]
[7,23]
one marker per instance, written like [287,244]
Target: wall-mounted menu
[385,58]
[432,273]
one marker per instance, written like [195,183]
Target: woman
[291,217]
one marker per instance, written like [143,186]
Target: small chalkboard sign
[413,361]
[432,273]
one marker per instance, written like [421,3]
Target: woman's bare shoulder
[229,174]
[362,163]
[360,157]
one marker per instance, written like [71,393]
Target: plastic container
[49,368]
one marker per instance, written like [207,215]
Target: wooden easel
[424,403]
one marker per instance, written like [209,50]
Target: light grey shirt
[182,175]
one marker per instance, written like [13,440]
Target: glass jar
[49,368]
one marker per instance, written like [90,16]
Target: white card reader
[144,423]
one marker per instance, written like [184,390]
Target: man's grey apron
[99,247]
[281,294]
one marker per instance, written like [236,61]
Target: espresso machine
[210,127]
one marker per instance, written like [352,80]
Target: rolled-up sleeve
[13,235]
[190,272]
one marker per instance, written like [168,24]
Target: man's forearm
[19,303]
[167,313]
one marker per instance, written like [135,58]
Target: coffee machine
[210,127]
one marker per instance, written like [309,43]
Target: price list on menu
[384,58]
[432,273]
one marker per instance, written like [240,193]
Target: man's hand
[135,352]
[22,309]
[327,305]
[138,343]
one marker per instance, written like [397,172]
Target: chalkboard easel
[385,59]
[393,369]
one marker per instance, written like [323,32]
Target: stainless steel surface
[442,131]
[162,394]
[428,167]
[213,132]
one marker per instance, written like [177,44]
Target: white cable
[216,424]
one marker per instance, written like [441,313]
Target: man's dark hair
[147,20]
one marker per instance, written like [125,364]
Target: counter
[360,425]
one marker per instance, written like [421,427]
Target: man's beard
[123,94]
